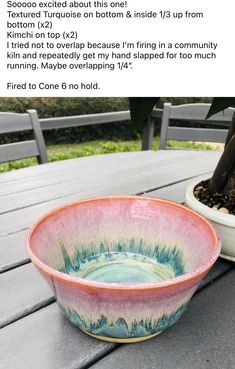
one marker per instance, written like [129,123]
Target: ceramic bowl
[123,269]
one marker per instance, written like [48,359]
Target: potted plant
[212,197]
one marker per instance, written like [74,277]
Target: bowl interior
[123,240]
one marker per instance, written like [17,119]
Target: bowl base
[121,340]
[227,257]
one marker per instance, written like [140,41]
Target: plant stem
[231,130]
[224,168]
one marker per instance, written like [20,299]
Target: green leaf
[220,104]
[141,107]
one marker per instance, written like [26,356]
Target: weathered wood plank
[20,220]
[203,338]
[195,112]
[84,120]
[220,268]
[57,172]
[130,183]
[68,165]
[18,150]
[195,134]
[96,176]
[14,122]
[46,339]
[43,158]
[23,291]
[80,163]
[13,251]
[87,175]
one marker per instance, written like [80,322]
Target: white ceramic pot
[224,223]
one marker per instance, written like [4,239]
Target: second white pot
[224,223]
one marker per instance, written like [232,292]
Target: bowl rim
[191,276]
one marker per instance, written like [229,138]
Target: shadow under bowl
[123,268]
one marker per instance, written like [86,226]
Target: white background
[156,78]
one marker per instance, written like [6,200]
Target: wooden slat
[13,122]
[18,150]
[74,169]
[84,120]
[13,251]
[93,178]
[65,165]
[195,112]
[64,122]
[203,338]
[195,134]
[43,158]
[221,268]
[164,126]
[47,340]
[23,291]
[198,112]
[130,183]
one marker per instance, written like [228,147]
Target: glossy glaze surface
[123,267]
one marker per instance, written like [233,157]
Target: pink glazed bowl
[123,269]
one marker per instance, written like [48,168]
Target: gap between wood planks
[141,193]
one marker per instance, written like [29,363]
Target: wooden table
[35,335]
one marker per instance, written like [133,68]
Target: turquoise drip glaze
[119,328]
[123,262]
[123,267]
[128,262]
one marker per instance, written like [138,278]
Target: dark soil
[219,201]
